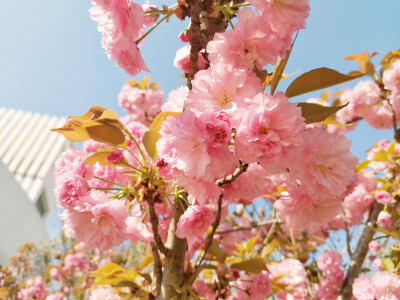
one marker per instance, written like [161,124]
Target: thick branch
[230,178]
[195,37]
[255,225]
[157,267]
[210,237]
[154,225]
[360,253]
[174,273]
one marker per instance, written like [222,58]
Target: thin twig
[157,267]
[255,225]
[230,178]
[396,133]
[348,237]
[210,237]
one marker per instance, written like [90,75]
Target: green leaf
[253,265]
[149,140]
[387,264]
[279,68]
[362,165]
[318,79]
[313,112]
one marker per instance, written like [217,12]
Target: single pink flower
[363,289]
[176,99]
[195,221]
[385,220]
[269,130]
[374,246]
[98,221]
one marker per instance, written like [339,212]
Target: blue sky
[51,60]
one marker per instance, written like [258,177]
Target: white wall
[20,221]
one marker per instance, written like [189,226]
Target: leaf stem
[154,27]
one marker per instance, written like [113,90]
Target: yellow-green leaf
[380,155]
[362,165]
[149,140]
[101,157]
[392,148]
[108,270]
[331,120]
[73,131]
[313,112]
[253,265]
[106,133]
[279,68]
[157,122]
[250,243]
[387,264]
[216,251]
[147,260]
[318,79]
[269,249]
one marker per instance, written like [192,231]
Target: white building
[28,150]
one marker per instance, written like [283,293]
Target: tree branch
[360,253]
[195,38]
[230,178]
[157,267]
[210,237]
[174,273]
[255,225]
[154,224]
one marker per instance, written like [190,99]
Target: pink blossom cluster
[329,285]
[90,215]
[35,289]
[254,286]
[382,285]
[228,119]
[366,101]
[291,273]
[141,104]
[122,23]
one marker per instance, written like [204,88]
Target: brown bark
[173,275]
[360,253]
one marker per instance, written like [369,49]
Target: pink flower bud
[377,263]
[160,163]
[382,197]
[385,221]
[184,36]
[115,157]
[234,274]
[374,246]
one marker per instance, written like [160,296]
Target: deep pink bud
[234,274]
[115,157]
[184,36]
[160,163]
